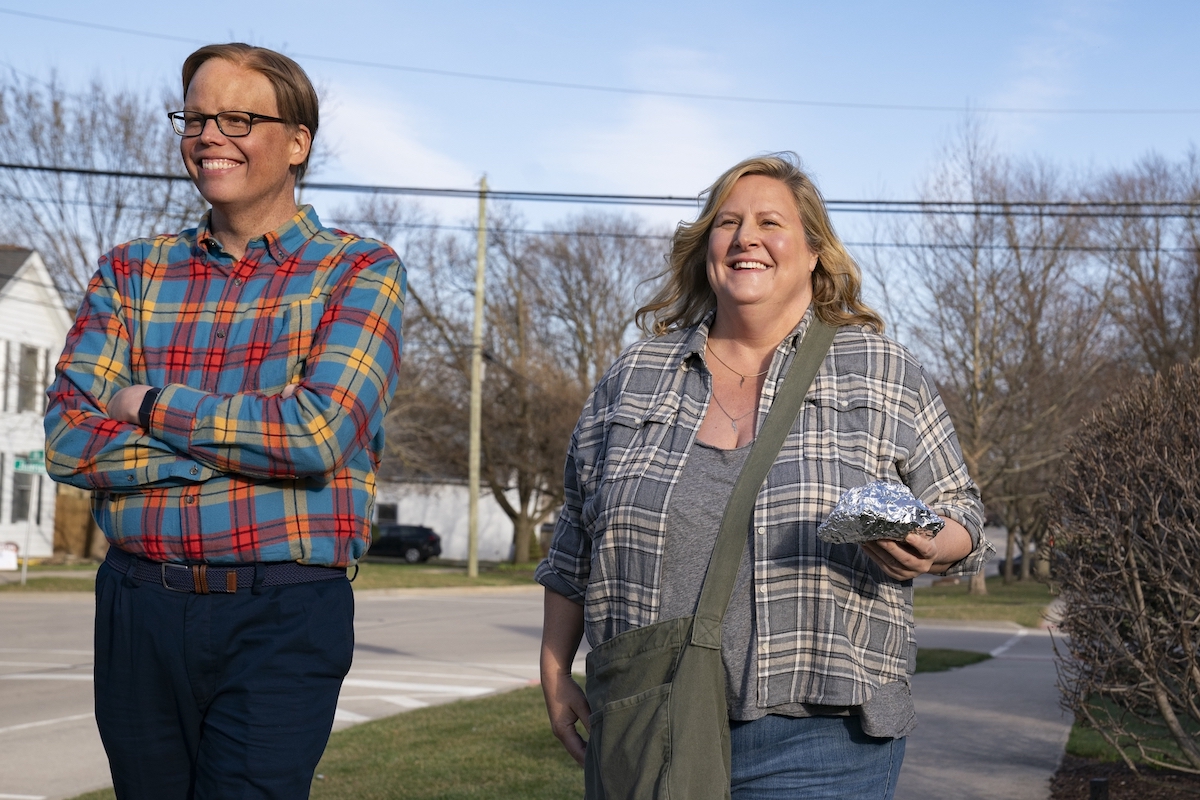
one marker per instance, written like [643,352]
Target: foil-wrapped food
[878,510]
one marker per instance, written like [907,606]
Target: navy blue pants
[220,695]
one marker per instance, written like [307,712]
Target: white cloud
[647,144]
[377,142]
[660,145]
[1045,68]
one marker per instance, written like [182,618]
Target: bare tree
[426,423]
[1015,334]
[589,275]
[1153,250]
[72,219]
[559,306]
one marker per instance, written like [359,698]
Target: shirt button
[237,281]
[220,334]
[190,500]
[762,590]
[129,478]
[762,531]
[194,470]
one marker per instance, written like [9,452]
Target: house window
[385,513]
[28,385]
[22,493]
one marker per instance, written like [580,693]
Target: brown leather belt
[214,579]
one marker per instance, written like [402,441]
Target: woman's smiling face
[757,251]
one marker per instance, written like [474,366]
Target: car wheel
[412,555]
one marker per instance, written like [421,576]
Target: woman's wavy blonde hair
[686,296]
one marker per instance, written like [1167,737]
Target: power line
[1022,208]
[665,237]
[592,87]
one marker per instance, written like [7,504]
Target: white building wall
[31,314]
[443,507]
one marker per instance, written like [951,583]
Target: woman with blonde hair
[816,641]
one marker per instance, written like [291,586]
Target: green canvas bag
[660,726]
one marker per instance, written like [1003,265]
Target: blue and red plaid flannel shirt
[229,471]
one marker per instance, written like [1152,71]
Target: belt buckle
[163,576]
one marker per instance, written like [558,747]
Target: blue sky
[396,127]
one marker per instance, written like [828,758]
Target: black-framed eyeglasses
[230,123]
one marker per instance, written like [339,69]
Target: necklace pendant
[733,424]
[742,382]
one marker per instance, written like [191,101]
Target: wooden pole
[473,456]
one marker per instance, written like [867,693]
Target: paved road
[990,731]
[413,649]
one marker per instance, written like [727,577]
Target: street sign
[34,463]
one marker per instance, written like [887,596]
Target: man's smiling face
[247,173]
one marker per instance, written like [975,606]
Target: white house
[33,328]
[443,507]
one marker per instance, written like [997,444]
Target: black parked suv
[413,543]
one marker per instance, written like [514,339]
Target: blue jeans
[218,696]
[812,758]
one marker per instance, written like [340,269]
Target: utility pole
[473,476]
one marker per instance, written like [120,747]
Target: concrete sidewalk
[991,731]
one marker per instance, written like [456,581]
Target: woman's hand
[566,704]
[918,553]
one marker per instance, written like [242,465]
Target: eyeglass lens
[230,123]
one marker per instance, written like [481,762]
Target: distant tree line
[1038,299]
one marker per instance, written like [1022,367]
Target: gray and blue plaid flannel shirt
[831,626]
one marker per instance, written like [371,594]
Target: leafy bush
[1127,554]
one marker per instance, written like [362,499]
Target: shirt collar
[697,341]
[280,244]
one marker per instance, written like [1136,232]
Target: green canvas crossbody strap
[731,540]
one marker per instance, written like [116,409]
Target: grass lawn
[936,659]
[74,566]
[1020,602]
[1087,742]
[51,584]
[497,747]
[376,575]
[371,575]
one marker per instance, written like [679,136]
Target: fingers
[575,744]
[566,705]
[288,391]
[125,404]
[903,560]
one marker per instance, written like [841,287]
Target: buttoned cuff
[174,415]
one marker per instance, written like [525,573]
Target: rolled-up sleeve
[937,473]
[568,564]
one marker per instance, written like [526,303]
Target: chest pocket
[291,341]
[854,430]
[641,455]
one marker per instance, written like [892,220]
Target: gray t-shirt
[693,519]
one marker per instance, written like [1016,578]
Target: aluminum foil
[879,510]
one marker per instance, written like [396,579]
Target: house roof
[11,260]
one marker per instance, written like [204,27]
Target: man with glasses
[222,393]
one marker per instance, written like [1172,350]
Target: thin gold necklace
[742,382]
[733,421]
